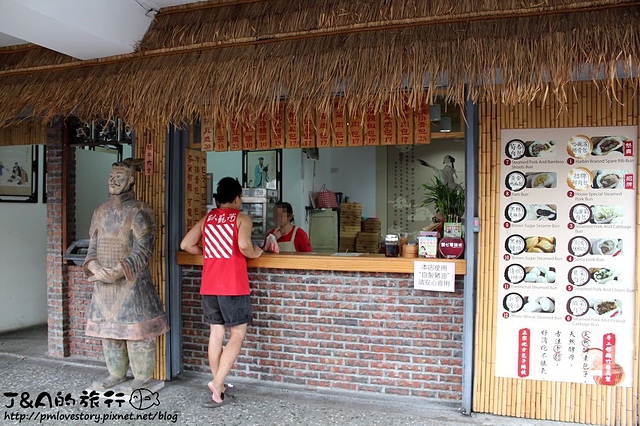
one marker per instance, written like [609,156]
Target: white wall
[92,175]
[351,171]
[23,263]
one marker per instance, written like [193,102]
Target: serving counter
[332,262]
[339,321]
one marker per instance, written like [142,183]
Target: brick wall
[58,198]
[357,331]
[80,291]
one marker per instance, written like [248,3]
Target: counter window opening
[386,181]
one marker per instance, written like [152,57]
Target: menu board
[566,272]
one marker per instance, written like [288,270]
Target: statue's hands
[94,266]
[107,275]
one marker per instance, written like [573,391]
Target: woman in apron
[289,237]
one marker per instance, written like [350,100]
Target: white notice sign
[434,276]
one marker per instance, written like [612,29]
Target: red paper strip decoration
[356,134]
[264,132]
[221,136]
[372,127]
[235,136]
[292,136]
[339,123]
[206,133]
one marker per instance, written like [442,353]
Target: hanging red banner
[263,134]
[372,127]
[293,136]
[235,136]
[356,134]
[323,130]
[405,124]
[277,128]
[339,123]
[388,124]
[249,137]
[221,136]
[206,133]
[422,124]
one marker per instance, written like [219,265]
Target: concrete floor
[26,367]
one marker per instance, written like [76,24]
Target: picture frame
[263,169]
[19,174]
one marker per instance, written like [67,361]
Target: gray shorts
[226,310]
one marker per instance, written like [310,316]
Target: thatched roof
[238,58]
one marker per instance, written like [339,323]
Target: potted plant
[449,200]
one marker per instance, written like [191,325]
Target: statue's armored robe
[123,232]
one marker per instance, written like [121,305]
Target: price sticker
[578,275]
[515,149]
[580,214]
[579,246]
[514,274]
[515,244]
[515,212]
[579,179]
[515,181]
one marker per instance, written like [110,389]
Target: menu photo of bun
[604,275]
[515,302]
[608,145]
[604,214]
[608,179]
[541,180]
[540,148]
[606,246]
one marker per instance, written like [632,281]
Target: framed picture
[19,174]
[263,169]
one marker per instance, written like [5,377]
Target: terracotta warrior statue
[126,312]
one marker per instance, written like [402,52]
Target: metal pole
[472,227]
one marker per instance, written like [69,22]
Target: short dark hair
[228,189]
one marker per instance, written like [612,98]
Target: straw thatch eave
[510,60]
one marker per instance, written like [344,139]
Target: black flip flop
[226,399]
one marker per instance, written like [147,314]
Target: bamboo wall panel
[571,402]
[26,133]
[152,190]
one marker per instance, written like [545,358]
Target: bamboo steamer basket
[409,250]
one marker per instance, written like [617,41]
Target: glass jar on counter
[391,248]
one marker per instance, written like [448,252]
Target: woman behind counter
[290,238]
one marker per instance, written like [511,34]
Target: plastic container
[391,248]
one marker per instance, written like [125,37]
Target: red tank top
[224,271]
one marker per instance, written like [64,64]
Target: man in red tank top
[223,238]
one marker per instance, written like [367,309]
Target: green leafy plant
[449,201]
